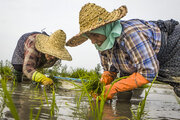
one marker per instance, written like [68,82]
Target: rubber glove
[133,81]
[107,77]
[39,77]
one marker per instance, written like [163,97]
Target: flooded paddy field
[31,102]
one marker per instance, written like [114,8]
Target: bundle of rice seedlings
[94,86]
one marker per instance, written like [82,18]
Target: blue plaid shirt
[135,50]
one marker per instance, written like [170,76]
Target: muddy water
[162,104]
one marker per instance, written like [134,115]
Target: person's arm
[141,53]
[30,57]
[30,61]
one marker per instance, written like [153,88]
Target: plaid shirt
[34,59]
[135,50]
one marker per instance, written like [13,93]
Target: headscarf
[111,31]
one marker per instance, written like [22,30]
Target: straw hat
[93,16]
[53,45]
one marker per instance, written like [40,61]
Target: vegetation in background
[6,70]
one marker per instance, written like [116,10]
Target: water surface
[161,104]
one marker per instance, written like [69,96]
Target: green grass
[7,74]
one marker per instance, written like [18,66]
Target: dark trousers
[18,67]
[18,72]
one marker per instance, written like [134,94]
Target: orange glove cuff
[107,77]
[133,81]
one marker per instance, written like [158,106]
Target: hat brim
[42,45]
[114,15]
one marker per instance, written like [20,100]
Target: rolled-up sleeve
[30,57]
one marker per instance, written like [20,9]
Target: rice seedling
[46,96]
[53,104]
[102,98]
[9,101]
[91,85]
[100,105]
[7,74]
[79,100]
[141,106]
[90,82]
[31,114]
[6,70]
[39,111]
[3,103]
[89,97]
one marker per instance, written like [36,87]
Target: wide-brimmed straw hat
[53,45]
[92,16]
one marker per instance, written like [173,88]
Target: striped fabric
[135,50]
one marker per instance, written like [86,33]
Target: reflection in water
[117,111]
[27,97]
[123,109]
[120,107]
[114,111]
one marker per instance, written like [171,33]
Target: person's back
[148,29]
[167,51]
[37,50]
[18,55]
[169,54]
